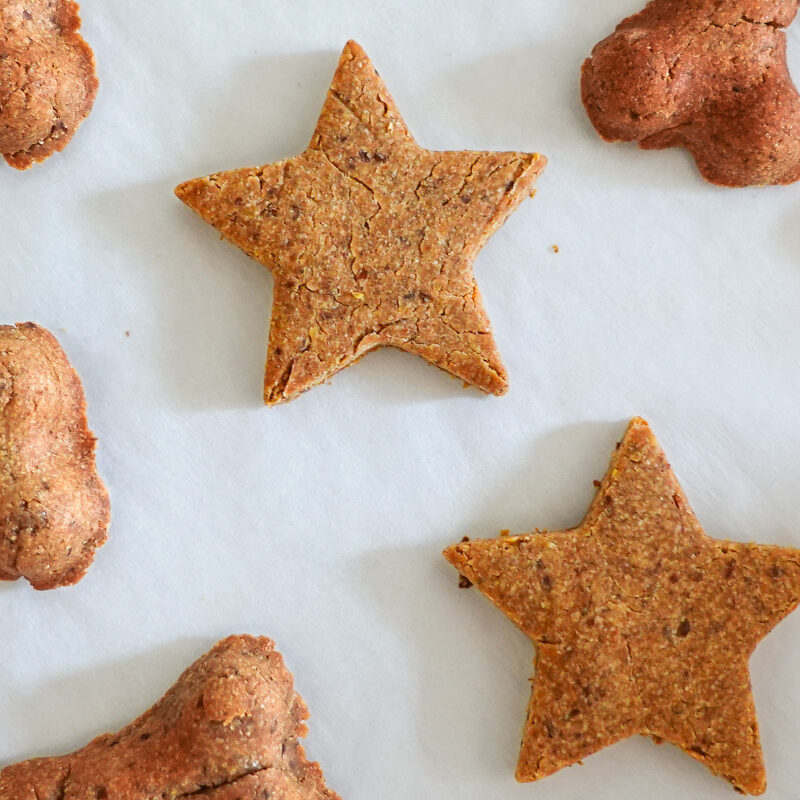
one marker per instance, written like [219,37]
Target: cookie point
[454,553]
[353,50]
[638,422]
[182,189]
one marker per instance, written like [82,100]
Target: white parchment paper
[320,523]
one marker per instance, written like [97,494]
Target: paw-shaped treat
[706,75]
[47,78]
[227,730]
[54,509]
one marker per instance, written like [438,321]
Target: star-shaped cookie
[370,239]
[642,623]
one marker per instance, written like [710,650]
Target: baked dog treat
[370,239]
[642,623]
[707,76]
[47,78]
[54,509]
[227,730]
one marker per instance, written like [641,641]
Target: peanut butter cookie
[47,78]
[370,239]
[227,730]
[54,509]
[642,623]
[706,75]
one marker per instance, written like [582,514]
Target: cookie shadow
[66,713]
[199,308]
[264,110]
[483,90]
[390,376]
[202,308]
[549,117]
[455,637]
[474,665]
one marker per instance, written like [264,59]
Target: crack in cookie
[370,239]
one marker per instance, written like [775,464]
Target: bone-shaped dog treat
[706,75]
[54,509]
[227,730]
[47,78]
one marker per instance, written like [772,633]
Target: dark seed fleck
[269,211]
[464,582]
[684,628]
[363,155]
[730,568]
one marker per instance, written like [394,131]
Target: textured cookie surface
[227,730]
[370,239]
[706,75]
[54,509]
[47,78]
[642,623]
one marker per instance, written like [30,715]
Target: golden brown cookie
[706,75]
[227,730]
[641,622]
[370,239]
[54,509]
[47,78]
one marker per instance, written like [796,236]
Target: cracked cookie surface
[642,623]
[227,730]
[47,78]
[54,509]
[707,76]
[370,239]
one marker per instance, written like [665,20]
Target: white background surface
[320,523]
